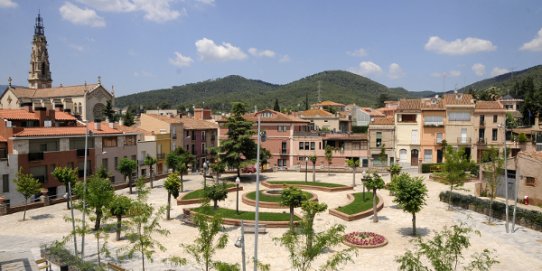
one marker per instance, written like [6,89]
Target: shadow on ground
[420,232]
[43,216]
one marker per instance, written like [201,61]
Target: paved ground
[521,250]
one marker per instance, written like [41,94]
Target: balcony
[464,140]
[160,156]
[81,152]
[438,140]
[35,156]
[482,123]
[482,141]
[284,152]
[433,124]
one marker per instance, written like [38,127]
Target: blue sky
[139,45]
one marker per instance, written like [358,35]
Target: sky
[139,45]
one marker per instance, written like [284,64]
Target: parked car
[249,169]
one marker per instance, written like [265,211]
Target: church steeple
[40,72]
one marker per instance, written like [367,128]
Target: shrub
[431,167]
[359,129]
[522,138]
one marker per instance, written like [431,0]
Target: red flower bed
[365,239]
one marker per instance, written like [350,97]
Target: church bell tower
[39,75]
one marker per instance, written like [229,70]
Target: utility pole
[257,217]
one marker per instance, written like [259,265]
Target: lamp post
[306,167]
[363,174]
[505,178]
[240,243]
[87,132]
[257,214]
[237,182]
[205,167]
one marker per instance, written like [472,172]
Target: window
[116,162]
[482,119]
[193,149]
[495,118]
[130,140]
[428,156]
[282,128]
[134,157]
[109,141]
[494,134]
[530,181]
[403,155]
[439,138]
[407,118]
[187,133]
[301,145]
[378,139]
[203,137]
[459,116]
[433,120]
[415,137]
[307,146]
[3,152]
[105,164]
[203,148]
[282,162]
[313,146]
[5,183]
[284,147]
[193,135]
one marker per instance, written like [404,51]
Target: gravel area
[521,250]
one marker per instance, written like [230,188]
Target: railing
[482,141]
[35,156]
[433,124]
[482,123]
[160,156]
[464,140]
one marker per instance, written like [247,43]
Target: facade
[489,120]
[382,137]
[459,123]
[408,124]
[529,176]
[433,132]
[359,117]
[321,119]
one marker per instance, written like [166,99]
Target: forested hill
[505,83]
[339,86]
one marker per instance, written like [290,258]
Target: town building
[382,141]
[459,122]
[408,124]
[489,120]
[433,131]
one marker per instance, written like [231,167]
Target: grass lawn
[267,198]
[307,183]
[359,205]
[244,215]
[198,194]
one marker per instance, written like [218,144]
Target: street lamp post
[306,167]
[240,243]
[237,182]
[363,174]
[205,167]
[257,214]
[505,179]
[84,191]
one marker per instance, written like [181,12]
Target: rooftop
[409,104]
[268,115]
[315,113]
[485,105]
[17,114]
[61,91]
[328,103]
[383,121]
[458,99]
[65,131]
[190,123]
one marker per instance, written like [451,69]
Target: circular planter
[364,240]
[269,204]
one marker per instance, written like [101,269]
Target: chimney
[202,114]
[98,125]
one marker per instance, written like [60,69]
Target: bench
[114,267]
[43,264]
[250,228]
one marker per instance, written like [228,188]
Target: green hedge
[528,218]
[431,167]
[359,129]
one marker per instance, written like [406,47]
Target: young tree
[239,143]
[445,251]
[128,118]
[374,182]
[394,170]
[98,195]
[127,167]
[216,192]
[410,195]
[313,159]
[292,197]
[218,168]
[354,164]
[28,186]
[329,158]
[276,107]
[265,155]
[492,170]
[108,112]
[119,207]
[145,223]
[206,244]
[453,169]
[304,245]
[172,186]
[67,176]
[150,161]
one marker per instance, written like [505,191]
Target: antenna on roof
[9,81]
[99,80]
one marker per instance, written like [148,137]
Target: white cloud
[206,2]
[261,53]
[395,71]
[209,50]
[358,52]
[367,68]
[80,16]
[155,10]
[479,69]
[452,73]
[459,47]
[498,71]
[181,61]
[7,4]
[535,44]
[284,59]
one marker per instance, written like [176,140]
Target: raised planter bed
[272,204]
[364,240]
[182,201]
[227,220]
[319,186]
[360,215]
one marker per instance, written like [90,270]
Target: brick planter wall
[273,205]
[356,216]
[307,186]
[237,222]
[181,201]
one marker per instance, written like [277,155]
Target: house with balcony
[321,120]
[459,122]
[198,134]
[381,137]
[489,120]
[433,131]
[408,126]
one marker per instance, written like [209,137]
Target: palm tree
[353,163]
[127,167]
[172,186]
[374,183]
[150,161]
[313,159]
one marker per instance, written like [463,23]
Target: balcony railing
[482,141]
[81,152]
[482,123]
[433,124]
[464,140]
[160,156]
[35,156]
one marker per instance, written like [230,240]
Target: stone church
[86,101]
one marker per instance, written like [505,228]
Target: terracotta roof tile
[275,117]
[17,114]
[383,121]
[432,104]
[345,136]
[373,112]
[66,131]
[133,130]
[328,103]
[167,119]
[409,104]
[458,99]
[315,113]
[64,91]
[481,105]
[189,123]
[59,115]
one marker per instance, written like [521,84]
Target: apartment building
[489,121]
[382,137]
[433,131]
[459,125]
[321,119]
[408,125]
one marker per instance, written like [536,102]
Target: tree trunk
[168,204]
[354,177]
[98,248]
[119,225]
[130,184]
[68,201]
[143,260]
[291,217]
[413,224]
[152,179]
[215,204]
[450,198]
[375,214]
[182,186]
[313,172]
[25,207]
[98,219]
[239,172]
